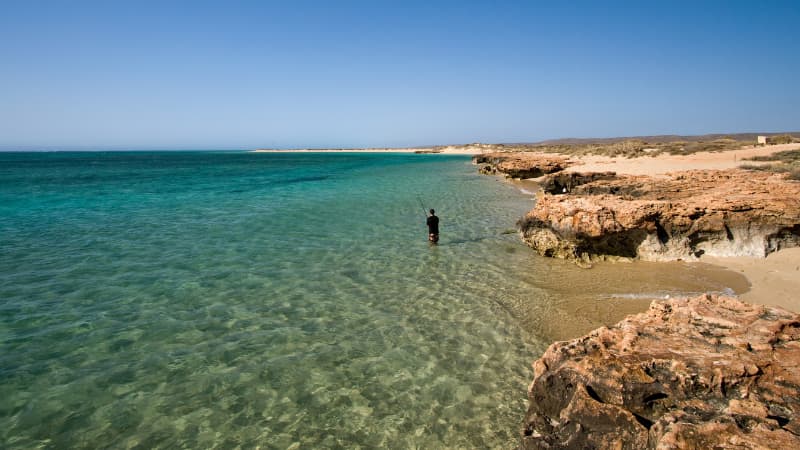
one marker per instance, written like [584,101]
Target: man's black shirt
[433,225]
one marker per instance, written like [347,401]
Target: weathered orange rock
[521,164]
[706,372]
[688,214]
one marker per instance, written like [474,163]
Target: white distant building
[761,140]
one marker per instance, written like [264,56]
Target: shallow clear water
[216,300]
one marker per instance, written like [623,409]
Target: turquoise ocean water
[201,299]
[224,300]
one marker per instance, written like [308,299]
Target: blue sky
[213,75]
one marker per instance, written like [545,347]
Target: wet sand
[774,280]
[579,300]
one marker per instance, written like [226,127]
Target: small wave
[667,295]
[527,192]
[643,295]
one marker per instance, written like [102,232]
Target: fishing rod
[425,211]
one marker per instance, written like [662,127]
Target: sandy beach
[666,163]
[445,150]
[774,280]
[342,150]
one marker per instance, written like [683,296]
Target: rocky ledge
[684,215]
[521,165]
[706,372]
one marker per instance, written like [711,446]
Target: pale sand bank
[775,280]
[449,150]
[341,150]
[665,163]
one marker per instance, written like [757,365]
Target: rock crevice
[706,372]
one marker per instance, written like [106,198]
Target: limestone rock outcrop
[706,372]
[566,182]
[682,216]
[520,164]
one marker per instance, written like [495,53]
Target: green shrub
[633,148]
[782,139]
[786,156]
[755,166]
[780,162]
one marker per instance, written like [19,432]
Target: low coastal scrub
[632,148]
[782,139]
[781,162]
[635,147]
[787,156]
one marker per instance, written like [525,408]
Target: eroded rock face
[520,164]
[706,372]
[566,182]
[686,215]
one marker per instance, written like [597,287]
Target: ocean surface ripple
[229,299]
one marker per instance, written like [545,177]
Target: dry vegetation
[642,146]
[782,162]
[783,139]
[630,148]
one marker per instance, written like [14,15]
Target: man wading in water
[433,228]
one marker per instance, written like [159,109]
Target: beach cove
[204,298]
[707,371]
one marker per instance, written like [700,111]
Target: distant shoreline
[340,150]
[447,150]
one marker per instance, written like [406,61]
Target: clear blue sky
[233,74]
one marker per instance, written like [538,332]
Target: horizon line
[124,148]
